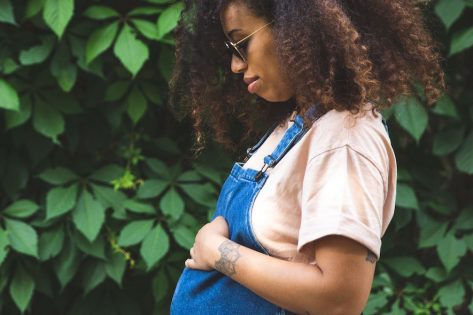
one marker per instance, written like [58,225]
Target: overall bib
[211,292]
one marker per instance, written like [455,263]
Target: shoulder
[363,132]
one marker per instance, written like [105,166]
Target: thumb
[190,263]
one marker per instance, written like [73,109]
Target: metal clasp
[261,171]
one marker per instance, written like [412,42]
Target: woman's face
[262,70]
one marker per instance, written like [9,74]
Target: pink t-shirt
[340,178]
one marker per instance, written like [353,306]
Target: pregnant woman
[298,222]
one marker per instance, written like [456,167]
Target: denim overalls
[211,292]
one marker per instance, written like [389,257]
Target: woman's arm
[340,283]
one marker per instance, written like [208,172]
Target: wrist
[214,251]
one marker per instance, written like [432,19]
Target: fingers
[192,251]
[190,263]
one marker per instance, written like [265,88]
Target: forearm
[297,287]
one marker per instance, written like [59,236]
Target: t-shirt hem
[343,226]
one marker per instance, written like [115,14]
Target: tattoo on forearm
[229,256]
[371,257]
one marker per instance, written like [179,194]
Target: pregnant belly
[211,292]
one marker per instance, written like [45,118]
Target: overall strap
[290,138]
[251,150]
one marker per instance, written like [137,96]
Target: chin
[275,98]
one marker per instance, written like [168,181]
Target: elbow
[346,309]
[338,309]
[339,300]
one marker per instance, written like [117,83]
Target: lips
[251,82]
[248,81]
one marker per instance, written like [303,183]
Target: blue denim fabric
[211,292]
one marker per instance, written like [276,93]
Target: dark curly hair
[338,53]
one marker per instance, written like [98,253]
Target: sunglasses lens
[234,51]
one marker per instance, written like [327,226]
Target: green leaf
[108,173]
[50,243]
[23,237]
[9,66]
[464,221]
[172,204]
[146,28]
[452,294]
[447,141]
[67,264]
[145,11]
[95,248]
[8,97]
[160,285]
[209,172]
[154,246]
[450,250]
[100,41]
[151,188]
[111,198]
[405,266]
[138,207]
[21,288]
[88,216]
[396,309]
[100,12]
[48,121]
[57,14]
[58,176]
[22,208]
[203,194]
[168,19]
[33,7]
[436,274]
[94,274]
[412,116]
[461,40]
[37,54]
[375,303]
[60,201]
[63,69]
[159,167]
[3,246]
[443,202]
[449,11]
[137,105]
[134,232]
[6,12]
[115,267]
[431,232]
[446,107]
[184,236]
[464,156]
[116,91]
[14,119]
[406,197]
[130,51]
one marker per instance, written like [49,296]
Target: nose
[238,65]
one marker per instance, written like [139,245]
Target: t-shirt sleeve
[343,193]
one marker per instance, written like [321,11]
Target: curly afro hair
[347,53]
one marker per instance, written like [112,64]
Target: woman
[298,224]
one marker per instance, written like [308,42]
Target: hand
[204,253]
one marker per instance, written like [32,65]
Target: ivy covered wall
[100,198]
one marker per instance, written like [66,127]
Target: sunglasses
[239,48]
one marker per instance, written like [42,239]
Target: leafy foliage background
[100,198]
